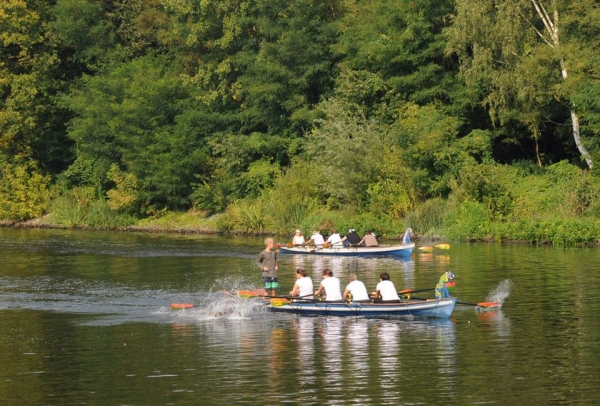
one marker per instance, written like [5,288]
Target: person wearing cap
[351,239]
[316,239]
[441,291]
[298,238]
[369,240]
[355,290]
[407,234]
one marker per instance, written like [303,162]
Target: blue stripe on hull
[400,251]
[426,309]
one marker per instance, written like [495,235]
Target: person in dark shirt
[351,239]
[267,262]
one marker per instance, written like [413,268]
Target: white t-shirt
[387,290]
[358,290]
[305,286]
[318,239]
[334,239]
[298,240]
[332,288]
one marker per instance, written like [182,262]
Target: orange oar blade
[279,302]
[489,305]
[179,306]
[250,294]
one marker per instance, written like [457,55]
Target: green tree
[515,50]
[141,117]
[31,122]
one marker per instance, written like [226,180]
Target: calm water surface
[85,319]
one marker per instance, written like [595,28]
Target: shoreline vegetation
[531,232]
[462,121]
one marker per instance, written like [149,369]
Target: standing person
[352,239]
[267,262]
[303,286]
[355,290]
[369,240]
[385,290]
[407,234]
[334,239]
[298,238]
[316,239]
[331,285]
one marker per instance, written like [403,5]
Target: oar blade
[426,248]
[442,246]
[181,306]
[279,301]
[251,294]
[488,306]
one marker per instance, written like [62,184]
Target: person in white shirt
[330,286]
[303,286]
[385,290]
[356,290]
[316,239]
[298,238]
[335,239]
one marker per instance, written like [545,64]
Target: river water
[85,320]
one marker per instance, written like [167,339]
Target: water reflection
[85,319]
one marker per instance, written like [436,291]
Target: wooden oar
[407,291]
[286,296]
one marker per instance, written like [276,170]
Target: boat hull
[431,308]
[403,250]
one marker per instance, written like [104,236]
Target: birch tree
[515,52]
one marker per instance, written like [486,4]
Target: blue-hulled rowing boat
[430,308]
[403,250]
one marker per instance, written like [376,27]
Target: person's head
[409,231]
[352,277]
[450,275]
[327,273]
[300,273]
[269,242]
[315,232]
[384,276]
[369,232]
[334,231]
[351,230]
[298,232]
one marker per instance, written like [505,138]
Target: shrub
[24,191]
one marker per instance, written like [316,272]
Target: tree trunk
[552,29]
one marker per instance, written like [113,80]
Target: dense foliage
[475,120]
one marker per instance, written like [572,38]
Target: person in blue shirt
[407,234]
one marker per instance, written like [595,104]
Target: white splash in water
[501,292]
